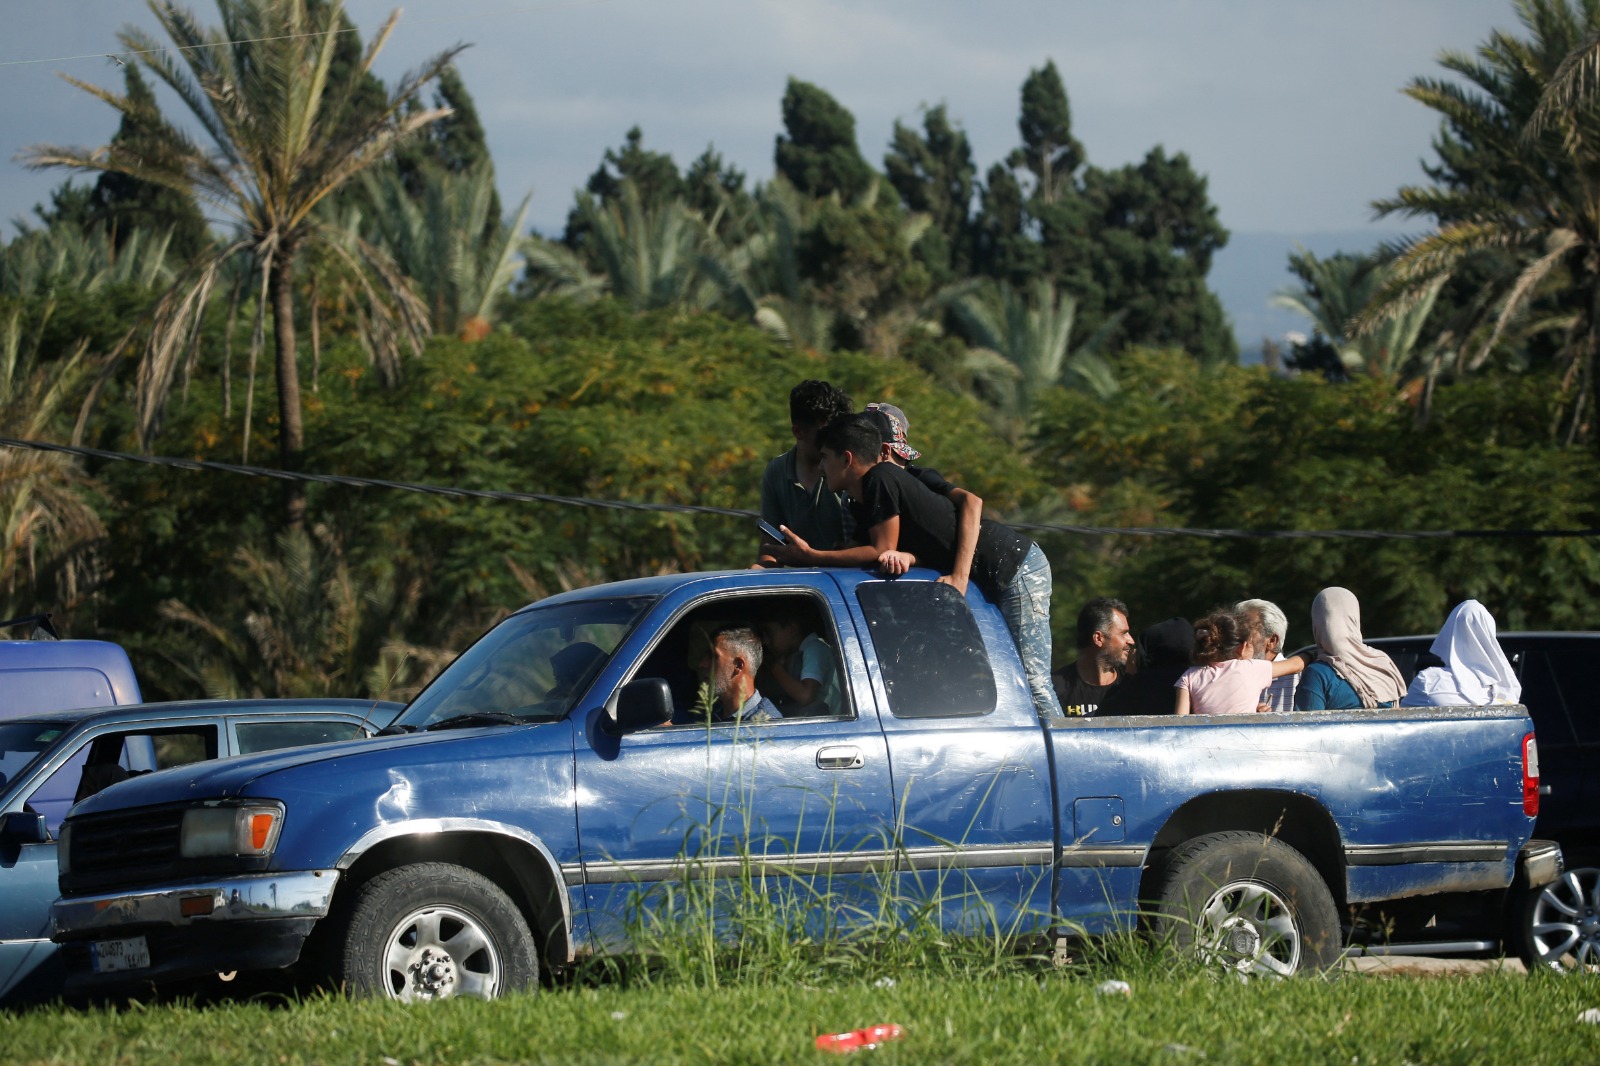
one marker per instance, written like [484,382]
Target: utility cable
[737,512]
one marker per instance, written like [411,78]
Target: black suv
[1558,926]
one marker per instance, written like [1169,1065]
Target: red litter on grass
[859,1039]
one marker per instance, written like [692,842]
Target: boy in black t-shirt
[902,523]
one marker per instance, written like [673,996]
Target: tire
[1248,904]
[1558,926]
[434,931]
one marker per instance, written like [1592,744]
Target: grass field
[1026,1016]
[728,971]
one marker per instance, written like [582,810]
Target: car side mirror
[23,827]
[638,705]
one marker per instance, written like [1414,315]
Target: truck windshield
[23,742]
[530,668]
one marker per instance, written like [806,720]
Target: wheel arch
[515,860]
[1295,819]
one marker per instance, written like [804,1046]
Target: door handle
[840,757]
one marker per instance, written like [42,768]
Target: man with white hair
[1267,619]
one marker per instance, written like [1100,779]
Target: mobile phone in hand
[771,531]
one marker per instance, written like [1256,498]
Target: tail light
[1530,776]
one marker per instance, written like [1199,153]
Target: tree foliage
[817,151]
[1048,329]
[1135,242]
[284,138]
[1515,200]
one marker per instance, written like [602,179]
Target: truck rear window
[930,651]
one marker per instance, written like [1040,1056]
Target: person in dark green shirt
[793,491]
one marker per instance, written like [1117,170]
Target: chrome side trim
[1542,861]
[247,897]
[430,826]
[1437,851]
[629,871]
[1079,856]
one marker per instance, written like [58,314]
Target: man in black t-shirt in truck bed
[900,523]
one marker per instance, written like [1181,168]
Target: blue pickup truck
[536,800]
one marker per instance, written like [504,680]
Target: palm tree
[648,255]
[1334,291]
[438,240]
[759,272]
[1516,193]
[40,263]
[1031,338]
[284,137]
[46,521]
[307,626]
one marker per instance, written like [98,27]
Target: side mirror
[23,827]
[642,704]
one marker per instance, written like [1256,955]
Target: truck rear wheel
[433,930]
[1249,904]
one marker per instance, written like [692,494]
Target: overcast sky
[1291,107]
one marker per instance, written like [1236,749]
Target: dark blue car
[49,761]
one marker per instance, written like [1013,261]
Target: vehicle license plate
[110,956]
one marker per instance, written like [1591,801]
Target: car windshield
[529,668]
[23,742]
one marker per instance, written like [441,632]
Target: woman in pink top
[1227,678]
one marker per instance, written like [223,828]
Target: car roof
[380,712]
[1514,634]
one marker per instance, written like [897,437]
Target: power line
[736,512]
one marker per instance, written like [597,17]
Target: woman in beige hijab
[1347,673]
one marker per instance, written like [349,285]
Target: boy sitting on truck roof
[903,523]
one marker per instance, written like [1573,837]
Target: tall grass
[710,927]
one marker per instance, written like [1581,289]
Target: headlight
[229,831]
[64,849]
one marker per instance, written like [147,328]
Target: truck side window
[785,622]
[930,651]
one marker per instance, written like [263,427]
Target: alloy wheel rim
[438,953]
[1564,926]
[1249,930]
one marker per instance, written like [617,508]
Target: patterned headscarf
[899,425]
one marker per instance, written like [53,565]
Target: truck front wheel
[433,931]
[1248,903]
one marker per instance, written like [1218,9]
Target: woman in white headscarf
[1347,673]
[1475,671]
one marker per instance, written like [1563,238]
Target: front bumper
[248,922]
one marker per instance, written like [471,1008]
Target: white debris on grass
[618,1015]
[1590,1016]
[1114,988]
[883,982]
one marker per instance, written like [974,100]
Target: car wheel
[435,931]
[1559,928]
[1248,904]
